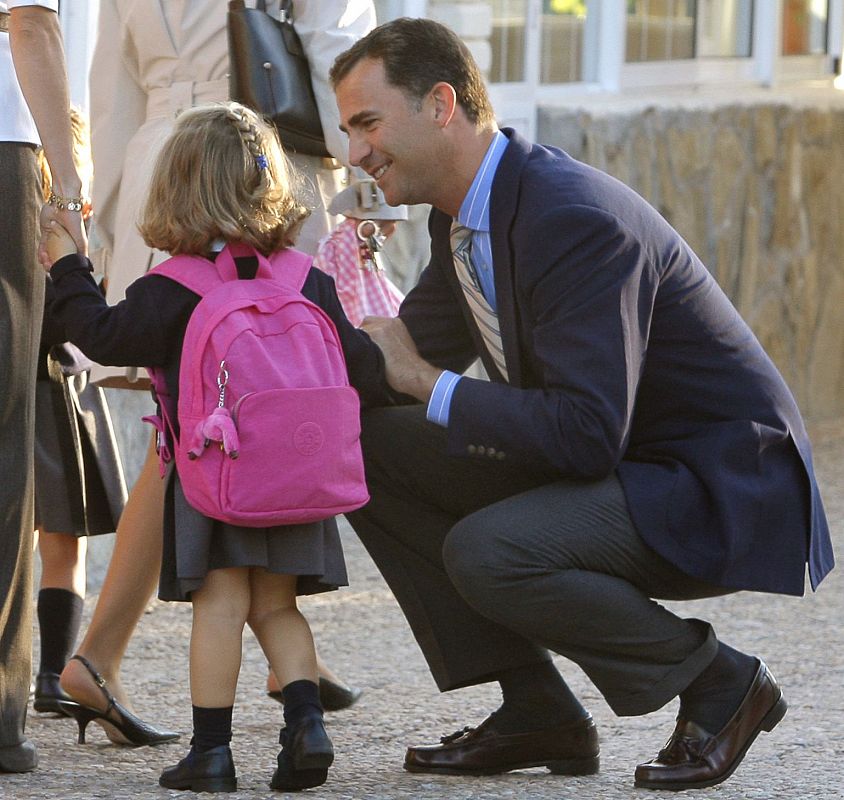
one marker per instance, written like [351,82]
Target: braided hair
[249,134]
[222,175]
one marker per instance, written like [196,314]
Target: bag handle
[227,269]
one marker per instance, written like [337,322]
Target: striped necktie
[485,317]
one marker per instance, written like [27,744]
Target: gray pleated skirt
[79,483]
[195,544]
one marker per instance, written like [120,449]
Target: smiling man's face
[391,138]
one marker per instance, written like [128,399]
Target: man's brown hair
[417,54]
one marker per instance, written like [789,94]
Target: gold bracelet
[69,203]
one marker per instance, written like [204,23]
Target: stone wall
[756,186]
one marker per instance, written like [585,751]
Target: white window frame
[606,71]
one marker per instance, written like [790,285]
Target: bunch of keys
[371,241]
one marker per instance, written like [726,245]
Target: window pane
[508,41]
[660,30]
[804,27]
[724,28]
[663,30]
[563,22]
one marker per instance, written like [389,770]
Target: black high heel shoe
[126,729]
[332,696]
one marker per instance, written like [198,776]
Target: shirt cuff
[440,402]
[53,5]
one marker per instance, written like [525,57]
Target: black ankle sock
[535,697]
[715,695]
[59,617]
[211,727]
[301,699]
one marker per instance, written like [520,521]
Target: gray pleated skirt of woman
[79,484]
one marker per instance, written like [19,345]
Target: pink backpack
[269,426]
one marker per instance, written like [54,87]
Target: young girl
[222,177]
[350,253]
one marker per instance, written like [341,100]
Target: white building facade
[537,52]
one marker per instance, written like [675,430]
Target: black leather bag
[269,72]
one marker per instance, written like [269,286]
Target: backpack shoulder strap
[193,272]
[291,267]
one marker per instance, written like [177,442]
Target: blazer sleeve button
[499,455]
[471,449]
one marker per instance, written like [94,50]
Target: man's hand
[71,224]
[57,243]
[407,371]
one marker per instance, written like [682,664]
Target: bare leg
[323,670]
[220,609]
[281,630]
[60,605]
[285,637]
[62,561]
[129,583]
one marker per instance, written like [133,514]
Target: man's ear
[445,102]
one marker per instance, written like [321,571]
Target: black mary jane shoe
[121,726]
[332,696]
[48,694]
[306,754]
[211,771]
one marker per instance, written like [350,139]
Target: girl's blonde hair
[222,175]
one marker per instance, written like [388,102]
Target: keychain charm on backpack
[218,426]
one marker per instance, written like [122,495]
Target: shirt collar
[474,211]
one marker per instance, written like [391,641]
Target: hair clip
[261,161]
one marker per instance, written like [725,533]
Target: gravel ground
[362,634]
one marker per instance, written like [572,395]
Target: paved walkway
[363,635]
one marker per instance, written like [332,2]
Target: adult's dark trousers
[21,307]
[494,565]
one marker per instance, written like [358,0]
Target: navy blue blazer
[625,355]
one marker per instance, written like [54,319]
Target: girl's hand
[71,221]
[58,243]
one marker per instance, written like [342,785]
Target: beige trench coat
[154,58]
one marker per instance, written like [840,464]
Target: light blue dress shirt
[473,214]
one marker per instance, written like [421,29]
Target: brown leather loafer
[570,749]
[693,758]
